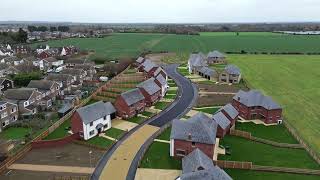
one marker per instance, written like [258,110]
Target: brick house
[65,81]
[93,119]
[49,63]
[21,49]
[27,99]
[216,57]
[197,165]
[139,61]
[230,74]
[224,124]
[149,68]
[150,90]
[198,131]
[130,103]
[78,75]
[254,105]
[207,73]
[162,83]
[143,64]
[9,113]
[195,62]
[5,84]
[48,53]
[159,71]
[230,112]
[50,90]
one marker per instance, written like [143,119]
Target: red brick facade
[43,55]
[126,111]
[183,148]
[151,72]
[150,99]
[249,113]
[76,123]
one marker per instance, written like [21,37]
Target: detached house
[207,73]
[65,81]
[78,75]
[6,52]
[9,114]
[216,57]
[72,62]
[198,131]
[198,166]
[130,103]
[162,83]
[230,112]
[89,70]
[224,124]
[230,74]
[139,61]
[27,99]
[13,60]
[49,89]
[93,119]
[50,63]
[195,62]
[5,84]
[254,105]
[21,49]
[150,90]
[159,71]
[149,68]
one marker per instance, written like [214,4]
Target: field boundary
[234,164]
[286,170]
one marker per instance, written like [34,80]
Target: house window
[1,107]
[25,103]
[193,144]
[91,132]
[180,152]
[105,118]
[105,127]
[91,124]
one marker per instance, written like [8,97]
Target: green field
[294,82]
[131,44]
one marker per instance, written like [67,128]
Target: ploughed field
[131,44]
[292,81]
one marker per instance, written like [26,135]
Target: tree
[22,36]
[42,28]
[52,28]
[23,79]
[32,28]
[63,28]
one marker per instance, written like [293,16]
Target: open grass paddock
[292,81]
[131,44]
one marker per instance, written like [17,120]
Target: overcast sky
[160,11]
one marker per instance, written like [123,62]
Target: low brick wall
[55,142]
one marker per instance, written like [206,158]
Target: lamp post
[90,152]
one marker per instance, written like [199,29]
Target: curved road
[186,97]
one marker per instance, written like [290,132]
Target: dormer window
[200,168]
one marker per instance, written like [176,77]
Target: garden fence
[286,170]
[234,164]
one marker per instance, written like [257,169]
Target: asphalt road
[177,109]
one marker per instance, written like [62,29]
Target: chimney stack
[189,136]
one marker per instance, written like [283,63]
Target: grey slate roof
[256,98]
[140,60]
[212,174]
[3,66]
[132,96]
[195,160]
[221,119]
[3,79]
[230,110]
[197,60]
[95,111]
[41,84]
[148,65]
[207,71]
[85,66]
[201,128]
[215,54]
[159,69]
[150,86]
[50,59]
[71,71]
[162,80]
[232,69]
[19,94]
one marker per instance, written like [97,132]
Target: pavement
[157,174]
[162,141]
[255,121]
[50,168]
[127,151]
[120,161]
[123,125]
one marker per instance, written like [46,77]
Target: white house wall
[87,128]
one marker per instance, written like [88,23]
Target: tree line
[14,37]
[51,28]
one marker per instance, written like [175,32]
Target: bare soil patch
[214,100]
[220,88]
[157,58]
[26,175]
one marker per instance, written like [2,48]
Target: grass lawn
[14,133]
[161,105]
[60,132]
[277,133]
[136,119]
[209,110]
[170,96]
[115,133]
[91,101]
[262,154]
[100,141]
[238,174]
[292,81]
[158,157]
[165,135]
[175,91]
[183,71]
[148,114]
[207,82]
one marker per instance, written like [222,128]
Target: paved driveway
[119,163]
[157,174]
